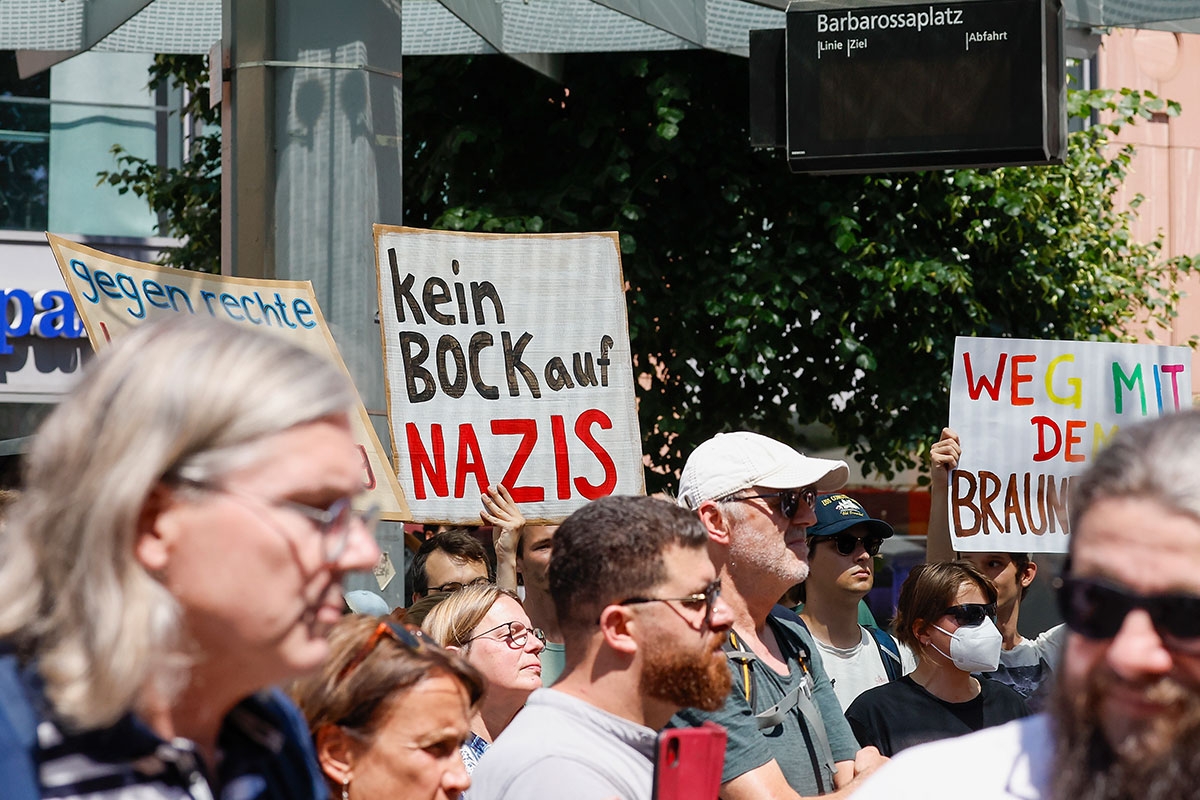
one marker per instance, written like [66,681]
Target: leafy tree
[188,197]
[766,300]
[760,299]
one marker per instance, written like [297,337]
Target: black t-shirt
[901,714]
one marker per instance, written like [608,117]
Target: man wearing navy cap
[841,552]
[788,737]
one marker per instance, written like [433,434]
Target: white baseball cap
[731,462]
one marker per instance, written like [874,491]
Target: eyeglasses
[412,638]
[847,543]
[969,615]
[333,522]
[516,637]
[1096,608]
[707,598]
[454,586]
[789,499]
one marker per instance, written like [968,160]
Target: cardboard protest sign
[507,361]
[114,295]
[1031,415]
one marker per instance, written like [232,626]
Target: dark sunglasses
[847,543]
[412,638]
[1096,608]
[706,599]
[968,615]
[789,499]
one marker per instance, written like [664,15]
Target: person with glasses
[640,609]
[388,713]
[448,561]
[842,546]
[1124,716]
[1026,664]
[946,615]
[196,461]
[490,628]
[787,734]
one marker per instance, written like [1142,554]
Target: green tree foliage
[188,197]
[757,298]
[760,299]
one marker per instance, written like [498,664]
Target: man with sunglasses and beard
[787,735]
[639,606]
[1125,715]
[842,546]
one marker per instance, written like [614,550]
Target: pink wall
[1166,170]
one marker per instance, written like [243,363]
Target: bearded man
[1124,722]
[639,606]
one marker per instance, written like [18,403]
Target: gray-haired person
[179,547]
[1124,719]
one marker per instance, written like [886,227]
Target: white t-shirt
[1029,667]
[855,669]
[1009,762]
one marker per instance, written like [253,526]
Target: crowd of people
[198,465]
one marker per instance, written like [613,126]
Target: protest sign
[1031,415]
[113,295]
[507,361]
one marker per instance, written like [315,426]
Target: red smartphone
[688,763]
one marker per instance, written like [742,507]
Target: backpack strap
[800,697]
[889,652]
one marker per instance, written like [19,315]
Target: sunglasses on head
[789,499]
[1096,608]
[847,543]
[968,615]
[412,638]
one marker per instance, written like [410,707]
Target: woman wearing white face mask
[946,616]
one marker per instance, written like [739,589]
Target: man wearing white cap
[787,735]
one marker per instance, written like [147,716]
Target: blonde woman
[488,625]
[179,547]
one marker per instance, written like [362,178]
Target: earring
[346,788]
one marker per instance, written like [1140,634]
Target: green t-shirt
[554,661]
[791,743]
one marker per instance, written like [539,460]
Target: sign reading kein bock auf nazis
[507,361]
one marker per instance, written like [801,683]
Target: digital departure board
[875,86]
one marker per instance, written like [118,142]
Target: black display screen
[932,84]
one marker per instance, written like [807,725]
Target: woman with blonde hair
[388,713]
[489,627]
[196,462]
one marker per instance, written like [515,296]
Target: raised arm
[501,512]
[943,459]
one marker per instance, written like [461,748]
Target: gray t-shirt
[560,746]
[792,743]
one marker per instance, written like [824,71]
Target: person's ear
[155,529]
[715,521]
[617,624]
[1029,573]
[920,629]
[335,753]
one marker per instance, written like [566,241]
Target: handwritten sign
[507,361]
[114,295]
[1032,414]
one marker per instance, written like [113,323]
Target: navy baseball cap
[837,512]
